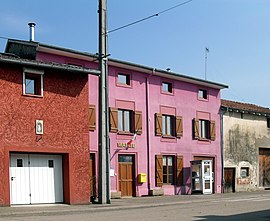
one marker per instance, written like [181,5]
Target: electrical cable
[151,16]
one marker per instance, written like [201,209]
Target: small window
[125,158]
[50,163]
[244,172]
[268,122]
[32,82]
[167,125]
[124,120]
[19,163]
[123,79]
[202,94]
[166,87]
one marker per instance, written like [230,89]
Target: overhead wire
[148,17]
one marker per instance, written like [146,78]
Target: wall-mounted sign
[39,126]
[121,144]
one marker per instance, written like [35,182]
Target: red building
[44,135]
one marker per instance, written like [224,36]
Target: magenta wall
[184,102]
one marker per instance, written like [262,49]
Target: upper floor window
[268,122]
[202,94]
[166,87]
[123,79]
[204,129]
[124,120]
[32,82]
[168,125]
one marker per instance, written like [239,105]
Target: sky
[236,32]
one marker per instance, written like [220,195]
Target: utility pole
[103,126]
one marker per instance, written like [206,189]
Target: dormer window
[166,87]
[32,82]
[202,94]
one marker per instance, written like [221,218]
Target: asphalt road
[240,206]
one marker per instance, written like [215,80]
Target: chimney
[32,31]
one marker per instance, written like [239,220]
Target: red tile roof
[245,106]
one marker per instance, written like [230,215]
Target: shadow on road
[260,215]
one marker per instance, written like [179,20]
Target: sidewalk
[116,204]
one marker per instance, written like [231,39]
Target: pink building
[159,122]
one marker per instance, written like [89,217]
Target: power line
[151,16]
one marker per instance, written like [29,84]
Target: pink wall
[183,101]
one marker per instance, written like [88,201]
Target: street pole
[103,127]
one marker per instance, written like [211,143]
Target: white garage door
[35,178]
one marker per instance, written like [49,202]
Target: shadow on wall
[261,215]
[186,187]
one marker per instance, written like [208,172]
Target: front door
[229,179]
[264,165]
[126,175]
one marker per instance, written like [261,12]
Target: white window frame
[124,120]
[34,72]
[204,129]
[167,125]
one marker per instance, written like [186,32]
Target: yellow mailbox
[142,178]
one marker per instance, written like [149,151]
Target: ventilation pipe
[32,31]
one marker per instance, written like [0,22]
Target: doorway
[264,167]
[229,180]
[93,181]
[126,175]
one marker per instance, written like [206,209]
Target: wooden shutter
[196,128]
[179,126]
[213,130]
[179,171]
[92,117]
[158,124]
[113,120]
[159,170]
[138,122]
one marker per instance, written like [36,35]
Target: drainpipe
[148,130]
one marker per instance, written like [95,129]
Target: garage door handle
[12,178]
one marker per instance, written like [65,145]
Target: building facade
[44,145]
[159,122]
[246,139]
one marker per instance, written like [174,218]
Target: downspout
[222,146]
[148,131]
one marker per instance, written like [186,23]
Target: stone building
[246,146]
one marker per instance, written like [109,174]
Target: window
[123,79]
[204,129]
[50,163]
[167,125]
[268,122]
[202,94]
[124,120]
[32,82]
[244,172]
[19,163]
[127,121]
[168,171]
[166,87]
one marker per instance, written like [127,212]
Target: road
[238,206]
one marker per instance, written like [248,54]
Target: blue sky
[237,33]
